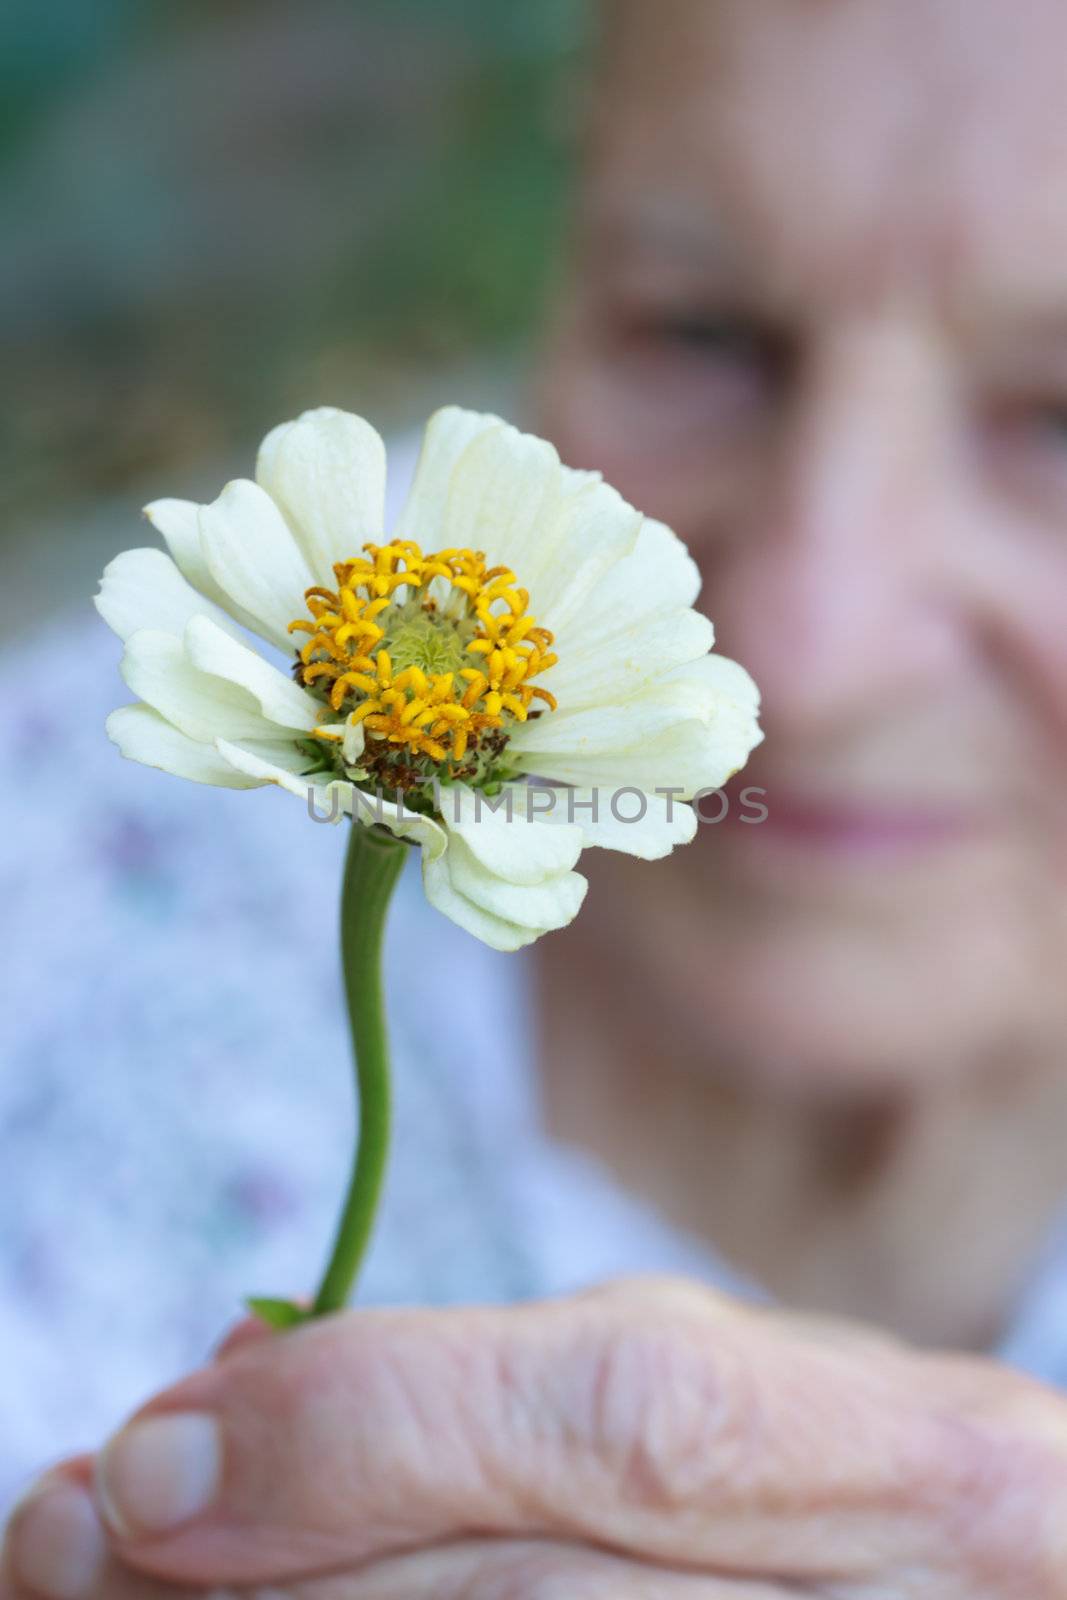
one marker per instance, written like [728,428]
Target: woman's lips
[856,828]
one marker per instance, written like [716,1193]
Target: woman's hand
[646,1439]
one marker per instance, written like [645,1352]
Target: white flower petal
[482,484]
[648,826]
[143,735]
[144,589]
[693,730]
[504,497]
[386,812]
[612,670]
[282,763]
[594,529]
[178,521]
[280,699]
[520,850]
[558,530]
[252,554]
[286,766]
[643,706]
[326,471]
[727,681]
[544,906]
[448,433]
[650,835]
[701,690]
[618,724]
[154,665]
[353,742]
[658,575]
[446,898]
[657,579]
[662,567]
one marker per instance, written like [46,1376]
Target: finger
[47,1557]
[655,1419]
[472,1570]
[525,1570]
[249,1329]
[53,1543]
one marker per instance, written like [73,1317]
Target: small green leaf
[277,1313]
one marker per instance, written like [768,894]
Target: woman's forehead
[840,135]
[959,79]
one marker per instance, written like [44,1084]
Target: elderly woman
[815,318]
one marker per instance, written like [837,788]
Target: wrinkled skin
[832,349]
[649,1439]
[816,320]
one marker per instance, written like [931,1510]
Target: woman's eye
[729,346]
[1026,443]
[709,333]
[704,335]
[1050,420]
[713,374]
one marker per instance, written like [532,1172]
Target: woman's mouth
[854,829]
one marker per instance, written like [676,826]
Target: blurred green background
[218,212]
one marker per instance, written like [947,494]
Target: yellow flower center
[432,654]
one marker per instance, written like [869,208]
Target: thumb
[247,1330]
[653,1417]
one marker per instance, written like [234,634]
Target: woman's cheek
[694,480]
[1024,579]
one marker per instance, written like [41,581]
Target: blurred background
[217,213]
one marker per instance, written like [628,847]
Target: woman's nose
[838,589]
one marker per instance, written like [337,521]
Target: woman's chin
[811,1005]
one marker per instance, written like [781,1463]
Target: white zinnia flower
[523,622]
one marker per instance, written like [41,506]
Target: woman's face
[817,321]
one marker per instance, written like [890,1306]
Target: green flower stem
[373,865]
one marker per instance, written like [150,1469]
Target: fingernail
[56,1545]
[159,1473]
